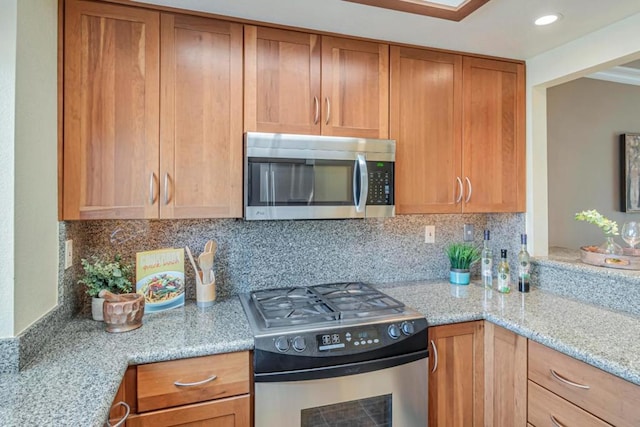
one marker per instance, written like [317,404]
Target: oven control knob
[282,344]
[299,344]
[393,331]
[407,328]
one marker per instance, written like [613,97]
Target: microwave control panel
[380,183]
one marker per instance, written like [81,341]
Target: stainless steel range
[337,354]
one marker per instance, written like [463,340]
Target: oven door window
[372,411]
[295,182]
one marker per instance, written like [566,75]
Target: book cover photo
[160,278]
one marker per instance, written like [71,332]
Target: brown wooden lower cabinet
[545,409]
[208,391]
[505,364]
[230,412]
[456,382]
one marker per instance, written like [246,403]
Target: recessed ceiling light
[547,19]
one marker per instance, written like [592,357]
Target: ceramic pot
[123,312]
[459,277]
[96,308]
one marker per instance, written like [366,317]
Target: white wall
[36,199]
[585,119]
[8,13]
[613,45]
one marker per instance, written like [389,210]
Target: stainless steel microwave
[317,177]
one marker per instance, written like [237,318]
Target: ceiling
[500,27]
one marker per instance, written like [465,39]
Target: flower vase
[610,247]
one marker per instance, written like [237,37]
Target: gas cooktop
[326,305]
[335,322]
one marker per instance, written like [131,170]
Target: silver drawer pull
[123,419]
[208,380]
[555,422]
[566,381]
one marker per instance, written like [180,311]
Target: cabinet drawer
[602,394]
[233,412]
[157,387]
[545,409]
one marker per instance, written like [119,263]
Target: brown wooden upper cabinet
[459,126]
[310,84]
[146,137]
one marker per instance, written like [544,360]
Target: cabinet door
[355,88]
[231,412]
[505,377]
[110,112]
[456,383]
[493,150]
[201,126]
[282,81]
[426,122]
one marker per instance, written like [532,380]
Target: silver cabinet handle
[152,192]
[470,189]
[208,380]
[316,116]
[123,419]
[566,381]
[556,422]
[460,190]
[166,188]
[326,100]
[435,355]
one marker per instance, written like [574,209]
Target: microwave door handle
[364,183]
[273,188]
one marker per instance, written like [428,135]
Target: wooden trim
[294,28]
[427,8]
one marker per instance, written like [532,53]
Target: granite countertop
[75,377]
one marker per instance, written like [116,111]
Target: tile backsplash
[262,254]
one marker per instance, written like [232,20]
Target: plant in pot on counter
[113,276]
[461,257]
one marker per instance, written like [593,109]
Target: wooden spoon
[205,260]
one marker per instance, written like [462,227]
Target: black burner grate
[308,305]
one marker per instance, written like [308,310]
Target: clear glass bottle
[487,262]
[504,282]
[523,265]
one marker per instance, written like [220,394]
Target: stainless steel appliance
[317,177]
[337,354]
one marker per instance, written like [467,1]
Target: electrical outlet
[430,234]
[468,233]
[68,254]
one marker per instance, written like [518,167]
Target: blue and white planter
[459,277]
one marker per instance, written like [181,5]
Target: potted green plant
[113,276]
[461,257]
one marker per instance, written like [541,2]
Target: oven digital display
[330,341]
[356,339]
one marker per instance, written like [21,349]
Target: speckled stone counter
[603,338]
[74,380]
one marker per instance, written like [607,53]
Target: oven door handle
[341,370]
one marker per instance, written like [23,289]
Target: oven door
[394,396]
